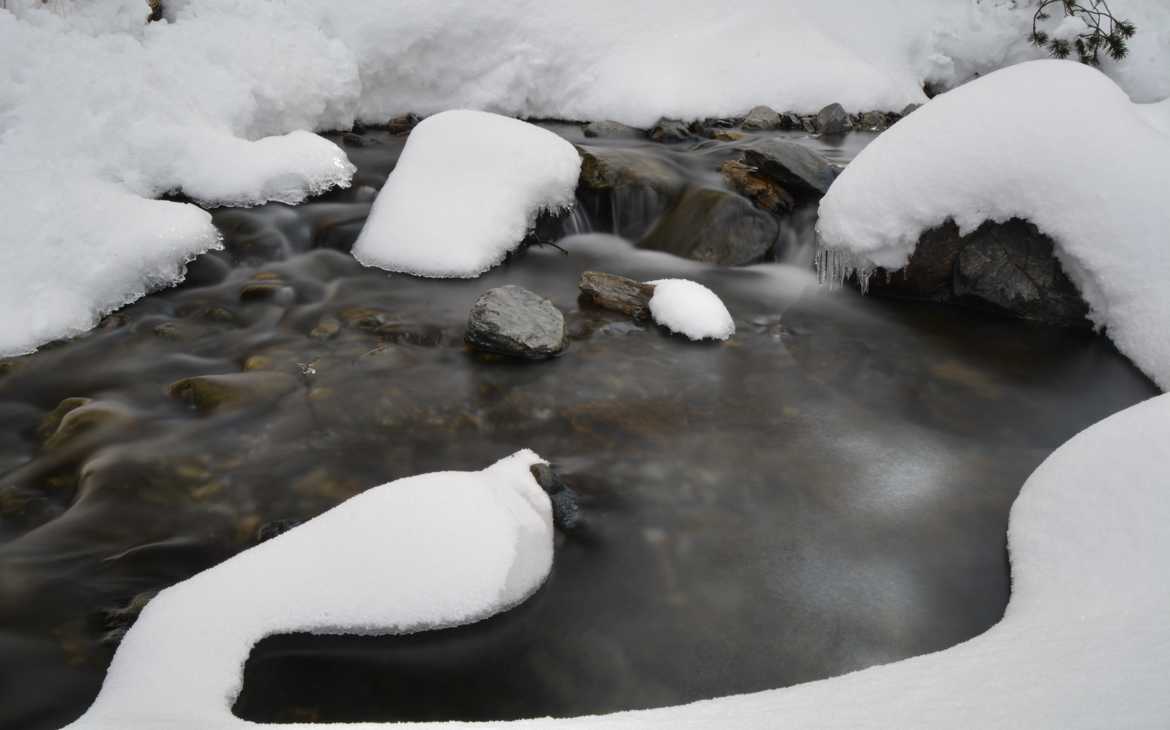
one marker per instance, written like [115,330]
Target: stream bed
[827,491]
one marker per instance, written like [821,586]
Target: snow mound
[1053,142]
[689,308]
[466,191]
[424,552]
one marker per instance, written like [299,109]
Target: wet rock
[1008,267]
[620,329]
[117,621]
[716,227]
[790,121]
[403,124]
[761,118]
[326,328]
[766,193]
[617,293]
[727,135]
[910,109]
[511,320]
[79,416]
[351,139]
[269,530]
[833,120]
[873,121]
[608,129]
[565,508]
[670,130]
[212,393]
[796,168]
[266,285]
[626,190]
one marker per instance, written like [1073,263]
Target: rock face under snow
[466,191]
[511,320]
[1055,143]
[690,309]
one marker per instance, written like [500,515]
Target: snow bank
[1082,644]
[689,308]
[1054,142]
[465,192]
[424,552]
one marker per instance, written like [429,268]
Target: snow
[91,95]
[465,192]
[424,552]
[691,309]
[1053,142]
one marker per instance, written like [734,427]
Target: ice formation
[465,192]
[424,552]
[1053,142]
[1081,645]
[689,308]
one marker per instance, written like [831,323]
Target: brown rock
[617,293]
[764,192]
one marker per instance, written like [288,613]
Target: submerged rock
[74,417]
[511,320]
[210,393]
[761,118]
[617,293]
[1008,267]
[833,120]
[609,129]
[716,227]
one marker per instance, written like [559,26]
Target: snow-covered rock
[691,309]
[1052,142]
[425,552]
[467,189]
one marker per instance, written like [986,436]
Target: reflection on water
[826,491]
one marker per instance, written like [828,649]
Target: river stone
[211,393]
[762,117]
[566,512]
[626,190]
[609,129]
[1009,267]
[833,120]
[716,227]
[796,168]
[511,320]
[766,193]
[617,293]
[670,130]
[873,121]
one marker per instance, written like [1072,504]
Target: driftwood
[617,293]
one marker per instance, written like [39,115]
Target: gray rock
[833,120]
[790,121]
[670,130]
[626,190]
[795,167]
[566,511]
[1008,267]
[511,320]
[714,226]
[762,117]
[608,129]
[873,121]
[910,109]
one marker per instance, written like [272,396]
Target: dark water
[826,491]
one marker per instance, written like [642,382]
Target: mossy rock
[212,393]
[74,417]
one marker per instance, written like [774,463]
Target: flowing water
[827,491]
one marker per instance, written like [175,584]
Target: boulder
[511,320]
[833,120]
[766,193]
[617,293]
[626,190]
[608,129]
[796,168]
[714,226]
[762,118]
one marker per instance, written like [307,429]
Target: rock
[766,193]
[725,135]
[910,109]
[402,124]
[670,130]
[511,320]
[566,511]
[75,417]
[796,168]
[267,285]
[833,120]
[626,190]
[873,121]
[352,139]
[617,293]
[1008,267]
[155,9]
[790,121]
[714,226]
[211,393]
[761,118]
[608,129]
[117,621]
[326,328]
[269,530]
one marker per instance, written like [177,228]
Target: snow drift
[467,189]
[1053,142]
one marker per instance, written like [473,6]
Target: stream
[827,491]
